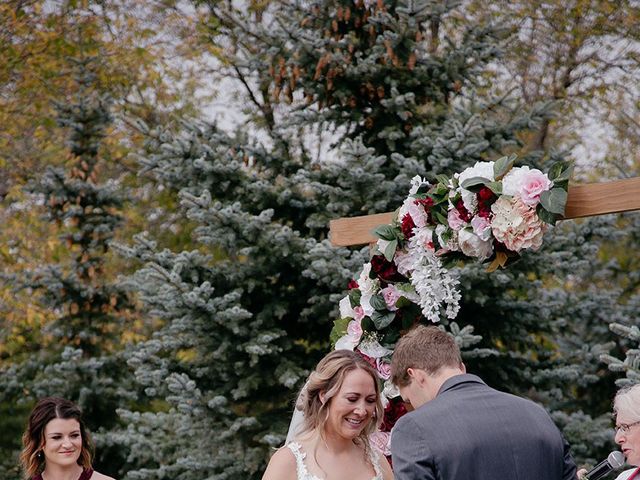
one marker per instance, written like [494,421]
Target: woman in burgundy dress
[56,443]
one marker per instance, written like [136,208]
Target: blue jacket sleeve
[570,470]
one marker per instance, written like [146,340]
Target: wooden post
[582,201]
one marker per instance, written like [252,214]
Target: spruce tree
[399,88]
[79,358]
[625,359]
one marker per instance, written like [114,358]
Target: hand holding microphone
[613,461]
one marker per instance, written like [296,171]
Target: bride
[341,407]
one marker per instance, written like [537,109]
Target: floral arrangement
[489,212]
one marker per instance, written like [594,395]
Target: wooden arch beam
[582,201]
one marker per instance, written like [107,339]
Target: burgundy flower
[385,269]
[370,360]
[395,409]
[484,211]
[427,203]
[407,226]
[462,210]
[352,284]
[485,195]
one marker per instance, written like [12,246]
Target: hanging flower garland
[490,213]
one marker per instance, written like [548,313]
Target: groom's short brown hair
[425,348]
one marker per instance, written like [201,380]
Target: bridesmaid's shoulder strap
[86,474]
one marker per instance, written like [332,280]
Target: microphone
[614,461]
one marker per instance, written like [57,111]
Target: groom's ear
[416,375]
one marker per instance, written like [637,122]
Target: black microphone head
[616,459]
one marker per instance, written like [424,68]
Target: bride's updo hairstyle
[327,378]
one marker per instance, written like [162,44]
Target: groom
[462,429]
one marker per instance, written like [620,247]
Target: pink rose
[533,184]
[358,313]
[454,219]
[354,329]
[382,442]
[526,183]
[481,227]
[384,369]
[391,296]
[404,262]
[419,216]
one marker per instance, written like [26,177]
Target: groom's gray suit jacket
[471,431]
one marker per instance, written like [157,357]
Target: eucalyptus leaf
[554,200]
[386,232]
[565,175]
[441,190]
[502,166]
[474,184]
[495,187]
[390,250]
[382,320]
[546,216]
[442,179]
[354,297]
[403,302]
[558,168]
[441,199]
[377,302]
[367,324]
[441,218]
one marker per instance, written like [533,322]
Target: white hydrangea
[372,348]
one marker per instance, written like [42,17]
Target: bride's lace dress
[301,467]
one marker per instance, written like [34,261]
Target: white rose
[416,183]
[346,342]
[346,311]
[473,246]
[365,303]
[367,285]
[512,181]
